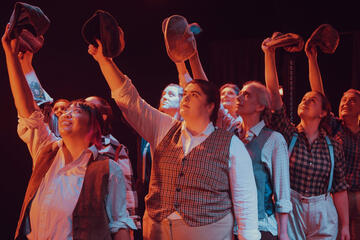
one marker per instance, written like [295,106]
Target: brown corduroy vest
[90,220]
[197,186]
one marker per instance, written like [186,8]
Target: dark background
[229,48]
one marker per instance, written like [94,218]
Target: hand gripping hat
[291,42]
[28,23]
[179,37]
[103,26]
[325,37]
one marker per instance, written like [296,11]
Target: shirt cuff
[249,235]
[125,222]
[283,206]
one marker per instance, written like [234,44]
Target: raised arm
[113,76]
[196,67]
[271,77]
[22,95]
[314,71]
[149,122]
[184,76]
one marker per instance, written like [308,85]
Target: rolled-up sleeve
[280,173]
[35,133]
[149,122]
[225,120]
[243,191]
[116,200]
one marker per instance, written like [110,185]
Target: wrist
[104,60]
[270,52]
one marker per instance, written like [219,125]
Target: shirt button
[178,189]
[177,205]
[181,174]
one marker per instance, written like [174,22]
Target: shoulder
[277,137]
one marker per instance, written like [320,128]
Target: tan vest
[197,186]
[90,220]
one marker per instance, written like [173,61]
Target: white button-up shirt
[52,207]
[153,125]
[274,155]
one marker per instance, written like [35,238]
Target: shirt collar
[91,149]
[300,128]
[257,128]
[208,130]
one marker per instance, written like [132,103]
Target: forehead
[171,89]
[193,87]
[228,89]
[351,95]
[248,88]
[58,104]
[313,95]
[94,101]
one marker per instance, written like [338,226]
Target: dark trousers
[264,236]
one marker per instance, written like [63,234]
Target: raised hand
[265,46]
[310,50]
[11,46]
[97,52]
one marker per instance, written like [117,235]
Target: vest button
[178,189]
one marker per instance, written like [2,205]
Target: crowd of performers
[213,164]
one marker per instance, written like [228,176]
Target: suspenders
[331,150]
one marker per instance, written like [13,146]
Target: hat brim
[103,26]
[291,42]
[28,42]
[325,37]
[179,40]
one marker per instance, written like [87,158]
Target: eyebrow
[193,91]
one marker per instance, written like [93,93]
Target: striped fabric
[196,185]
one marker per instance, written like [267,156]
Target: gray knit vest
[197,186]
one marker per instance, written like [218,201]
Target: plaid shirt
[110,147]
[351,145]
[310,163]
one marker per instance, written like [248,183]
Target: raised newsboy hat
[325,37]
[28,23]
[103,26]
[291,42]
[179,37]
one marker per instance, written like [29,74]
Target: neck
[233,113]
[250,120]
[197,126]
[74,147]
[311,128]
[351,123]
[172,112]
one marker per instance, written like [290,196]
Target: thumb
[100,46]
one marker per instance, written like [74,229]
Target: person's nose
[66,114]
